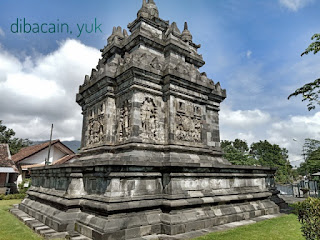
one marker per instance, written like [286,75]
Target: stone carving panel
[95,130]
[149,119]
[124,127]
[188,122]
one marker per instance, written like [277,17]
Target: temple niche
[124,121]
[188,122]
[149,119]
[150,161]
[95,130]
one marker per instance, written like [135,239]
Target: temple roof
[148,10]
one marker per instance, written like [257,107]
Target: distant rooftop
[31,150]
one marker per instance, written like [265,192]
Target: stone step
[37,226]
[81,237]
[57,235]
[151,237]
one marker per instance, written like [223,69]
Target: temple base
[135,200]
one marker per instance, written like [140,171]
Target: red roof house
[8,170]
[36,155]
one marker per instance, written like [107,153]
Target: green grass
[286,227]
[11,228]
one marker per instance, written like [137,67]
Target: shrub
[22,188]
[309,217]
[294,208]
[12,196]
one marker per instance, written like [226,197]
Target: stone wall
[103,201]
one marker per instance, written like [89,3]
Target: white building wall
[57,154]
[39,158]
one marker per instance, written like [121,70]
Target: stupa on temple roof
[150,160]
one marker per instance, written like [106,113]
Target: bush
[12,196]
[22,188]
[309,217]
[294,208]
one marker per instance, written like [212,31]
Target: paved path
[291,199]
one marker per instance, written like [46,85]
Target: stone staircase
[49,233]
[42,229]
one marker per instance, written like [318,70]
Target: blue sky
[252,47]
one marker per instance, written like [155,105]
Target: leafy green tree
[303,169]
[311,153]
[241,145]
[225,143]
[271,155]
[313,162]
[309,146]
[15,144]
[261,153]
[237,153]
[310,91]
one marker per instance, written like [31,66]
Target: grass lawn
[285,228]
[10,227]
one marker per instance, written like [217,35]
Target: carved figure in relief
[180,67]
[142,59]
[149,119]
[124,121]
[127,58]
[156,64]
[188,123]
[95,131]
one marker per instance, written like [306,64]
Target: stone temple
[150,160]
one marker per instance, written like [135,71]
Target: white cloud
[38,91]
[24,84]
[244,118]
[296,127]
[256,125]
[295,5]
[2,34]
[243,124]
[248,54]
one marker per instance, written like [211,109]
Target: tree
[261,153]
[241,145]
[271,155]
[313,162]
[309,146]
[310,91]
[311,153]
[15,144]
[237,153]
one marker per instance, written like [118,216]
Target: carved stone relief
[155,63]
[181,68]
[149,119]
[124,127]
[188,122]
[95,131]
